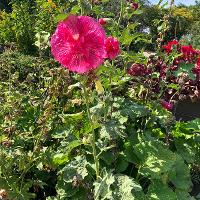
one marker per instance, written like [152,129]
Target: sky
[186,2]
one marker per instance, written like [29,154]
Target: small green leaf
[186,68]
[62,158]
[61,17]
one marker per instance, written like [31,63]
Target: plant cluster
[89,130]
[46,148]
[173,74]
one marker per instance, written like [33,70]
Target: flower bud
[134,5]
[102,21]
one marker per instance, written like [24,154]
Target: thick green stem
[110,84]
[81,6]
[94,152]
[120,17]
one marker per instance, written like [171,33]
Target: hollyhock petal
[112,47]
[79,43]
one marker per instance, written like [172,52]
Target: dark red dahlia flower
[137,70]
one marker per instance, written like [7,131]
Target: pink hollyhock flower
[168,48]
[112,47]
[102,21]
[166,105]
[79,43]
[134,5]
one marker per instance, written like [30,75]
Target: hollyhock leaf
[126,187]
[158,190]
[102,188]
[121,163]
[180,175]
[62,158]
[187,68]
[75,9]
[61,17]
[112,130]
[186,151]
[183,195]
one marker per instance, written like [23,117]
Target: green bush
[51,120]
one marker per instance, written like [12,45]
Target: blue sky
[186,2]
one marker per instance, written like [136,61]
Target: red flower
[198,61]
[79,43]
[166,105]
[112,47]
[102,21]
[137,70]
[196,70]
[135,5]
[169,47]
[188,52]
[163,71]
[198,52]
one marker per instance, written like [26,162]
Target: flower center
[76,36]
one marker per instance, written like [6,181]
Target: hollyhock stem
[110,87]
[120,17]
[94,152]
[81,6]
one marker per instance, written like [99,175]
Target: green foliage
[185,68]
[49,135]
[47,138]
[117,187]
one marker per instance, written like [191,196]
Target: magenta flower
[112,47]
[79,43]
[134,5]
[102,21]
[166,105]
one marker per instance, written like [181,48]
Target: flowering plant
[174,73]
[70,127]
